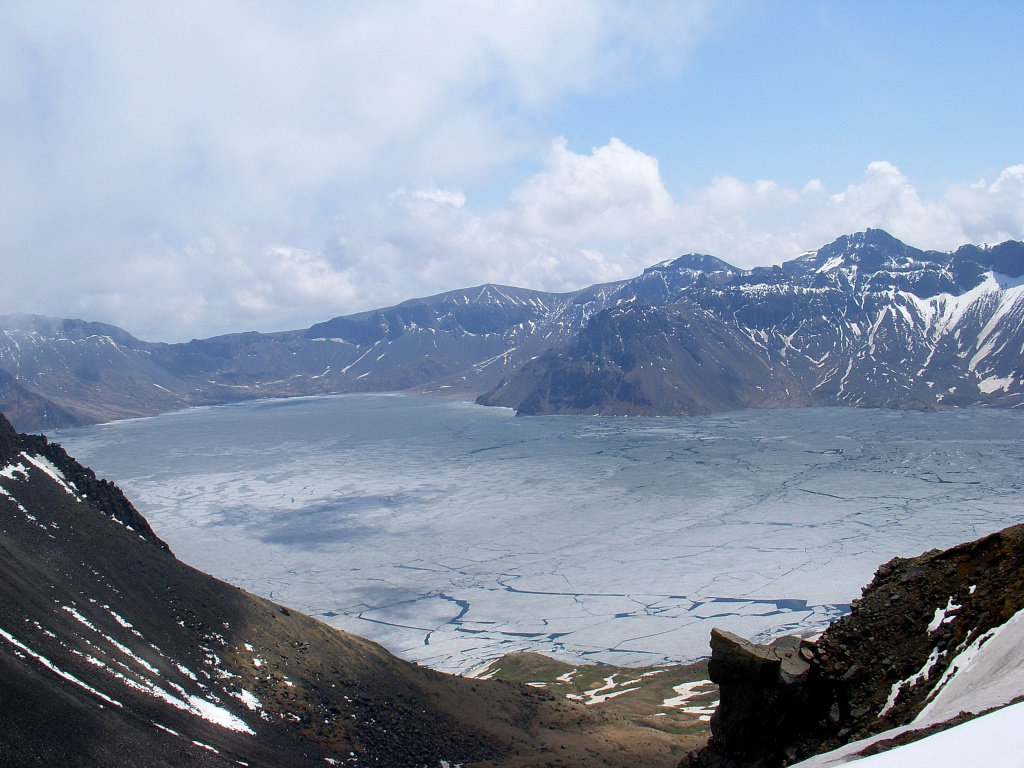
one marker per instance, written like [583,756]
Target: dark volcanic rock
[769,718]
[761,687]
[641,360]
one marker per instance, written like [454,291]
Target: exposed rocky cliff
[897,662]
[641,360]
[866,320]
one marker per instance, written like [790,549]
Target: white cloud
[887,198]
[991,212]
[606,215]
[131,131]
[455,197]
[611,193]
[581,219]
[761,222]
[191,168]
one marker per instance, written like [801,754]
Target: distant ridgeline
[866,320]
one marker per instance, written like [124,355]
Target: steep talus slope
[25,407]
[114,653]
[930,637]
[866,320]
[640,360]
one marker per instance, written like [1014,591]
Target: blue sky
[797,90]
[792,91]
[194,168]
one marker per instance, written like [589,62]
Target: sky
[186,169]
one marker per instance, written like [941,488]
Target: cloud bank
[607,215]
[188,169]
[584,218]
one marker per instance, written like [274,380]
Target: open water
[453,533]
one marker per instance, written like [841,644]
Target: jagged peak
[868,238]
[876,237]
[696,262]
[871,249]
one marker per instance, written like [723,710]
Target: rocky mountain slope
[114,653]
[933,641]
[866,320]
[459,343]
[638,359]
[23,406]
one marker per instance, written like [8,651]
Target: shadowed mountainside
[114,653]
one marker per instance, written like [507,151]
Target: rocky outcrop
[762,690]
[103,495]
[874,669]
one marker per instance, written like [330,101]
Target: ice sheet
[453,533]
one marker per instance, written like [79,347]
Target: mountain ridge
[893,335]
[115,654]
[864,320]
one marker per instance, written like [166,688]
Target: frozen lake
[452,533]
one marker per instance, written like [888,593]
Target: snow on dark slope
[934,640]
[114,653]
[865,320]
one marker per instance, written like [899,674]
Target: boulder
[760,686]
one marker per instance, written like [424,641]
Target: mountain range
[865,320]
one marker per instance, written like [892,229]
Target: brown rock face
[794,699]
[760,687]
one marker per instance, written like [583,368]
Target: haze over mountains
[866,320]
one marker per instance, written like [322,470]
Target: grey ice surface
[452,533]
